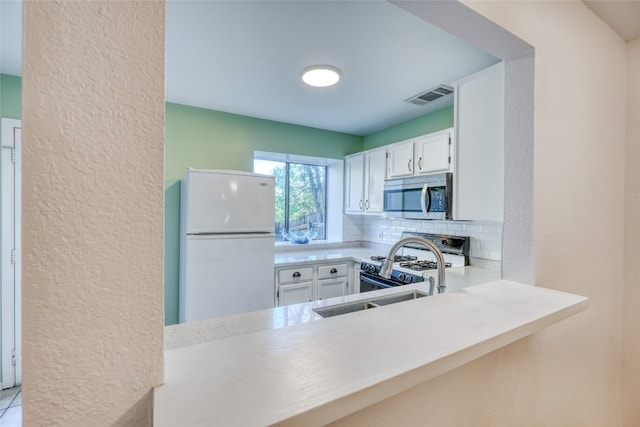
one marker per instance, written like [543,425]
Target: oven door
[370,282]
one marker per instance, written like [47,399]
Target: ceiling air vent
[430,95]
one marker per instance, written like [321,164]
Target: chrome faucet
[385,271]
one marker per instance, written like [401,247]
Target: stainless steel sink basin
[392,299]
[336,310]
[350,307]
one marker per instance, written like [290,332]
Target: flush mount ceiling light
[321,76]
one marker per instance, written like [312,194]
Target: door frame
[11,259]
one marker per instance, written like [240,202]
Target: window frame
[334,185]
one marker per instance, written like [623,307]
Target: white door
[400,160]
[479,182]
[330,288]
[295,294]
[225,274]
[228,202]
[354,202]
[11,253]
[374,180]
[433,153]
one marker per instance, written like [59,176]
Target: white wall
[631,367]
[570,374]
[93,189]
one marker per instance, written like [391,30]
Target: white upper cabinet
[400,159]
[432,152]
[424,154]
[354,183]
[479,160]
[364,184]
[375,162]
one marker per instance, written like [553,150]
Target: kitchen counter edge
[317,372]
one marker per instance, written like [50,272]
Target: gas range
[411,262]
[415,263]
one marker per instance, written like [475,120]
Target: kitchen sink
[406,296]
[338,309]
[350,307]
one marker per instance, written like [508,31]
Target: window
[301,197]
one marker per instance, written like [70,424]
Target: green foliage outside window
[304,200]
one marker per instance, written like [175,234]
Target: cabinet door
[295,294]
[330,288]
[479,180]
[375,174]
[432,153]
[400,160]
[354,183]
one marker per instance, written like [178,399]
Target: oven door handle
[374,281]
[424,204]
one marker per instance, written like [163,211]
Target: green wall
[200,138]
[432,122]
[10,96]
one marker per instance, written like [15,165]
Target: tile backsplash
[486,237]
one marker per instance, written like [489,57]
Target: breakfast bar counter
[201,331]
[317,371]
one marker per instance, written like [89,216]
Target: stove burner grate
[396,258]
[422,265]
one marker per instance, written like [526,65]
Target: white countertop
[285,259]
[201,331]
[314,372]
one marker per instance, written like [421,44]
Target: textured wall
[569,374]
[93,116]
[631,377]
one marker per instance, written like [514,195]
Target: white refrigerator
[227,222]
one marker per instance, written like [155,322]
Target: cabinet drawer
[295,275]
[331,271]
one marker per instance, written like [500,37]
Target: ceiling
[246,57]
[622,16]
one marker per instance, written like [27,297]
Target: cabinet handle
[420,163]
[366,205]
[409,165]
[296,274]
[333,271]
[360,205]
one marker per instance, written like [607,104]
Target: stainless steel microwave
[419,197]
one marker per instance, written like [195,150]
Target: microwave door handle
[423,200]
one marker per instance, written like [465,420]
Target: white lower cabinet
[329,288]
[311,282]
[295,294]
